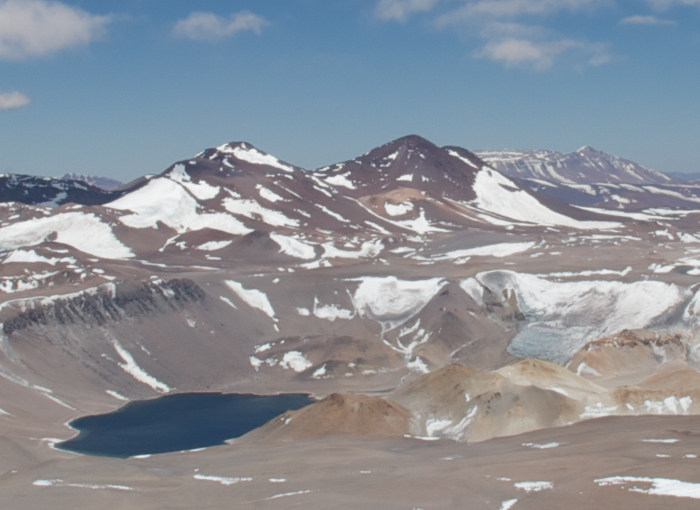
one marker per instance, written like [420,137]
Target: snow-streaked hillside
[585,166]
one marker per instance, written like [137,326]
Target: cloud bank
[512,32]
[36,28]
[207,26]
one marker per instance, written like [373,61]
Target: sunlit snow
[295,360]
[293,247]
[341,180]
[655,486]
[497,194]
[202,190]
[561,317]
[398,209]
[130,367]
[252,297]
[253,210]
[251,155]
[83,231]
[29,257]
[391,301]
[165,201]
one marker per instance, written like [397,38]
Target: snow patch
[214,245]
[398,209]
[82,231]
[391,301]
[254,156]
[494,250]
[533,486]
[659,486]
[508,504]
[331,312]
[269,195]
[369,249]
[498,195]
[295,360]
[223,480]
[544,446]
[252,297]
[130,367]
[116,395]
[293,247]
[253,210]
[163,200]
[341,180]
[202,190]
[29,257]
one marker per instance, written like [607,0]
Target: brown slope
[680,381]
[465,404]
[628,354]
[336,415]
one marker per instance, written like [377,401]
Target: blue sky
[122,88]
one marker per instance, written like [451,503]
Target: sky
[123,88]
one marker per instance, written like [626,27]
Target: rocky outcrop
[107,303]
[629,353]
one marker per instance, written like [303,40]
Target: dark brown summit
[411,162]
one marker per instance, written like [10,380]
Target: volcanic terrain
[482,330]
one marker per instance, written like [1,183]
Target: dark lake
[178,422]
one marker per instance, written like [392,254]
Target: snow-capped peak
[244,152]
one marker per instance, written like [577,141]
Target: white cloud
[207,26]
[646,20]
[510,9]
[399,10]
[13,100]
[663,5]
[599,58]
[513,32]
[513,52]
[541,54]
[34,28]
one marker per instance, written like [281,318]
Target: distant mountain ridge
[584,166]
[685,176]
[51,191]
[591,178]
[104,183]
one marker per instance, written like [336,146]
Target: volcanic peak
[242,154]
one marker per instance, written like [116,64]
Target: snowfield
[251,209]
[202,189]
[499,195]
[561,317]
[391,301]
[83,231]
[166,201]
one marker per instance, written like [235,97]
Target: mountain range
[417,290]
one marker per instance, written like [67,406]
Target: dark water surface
[178,422]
